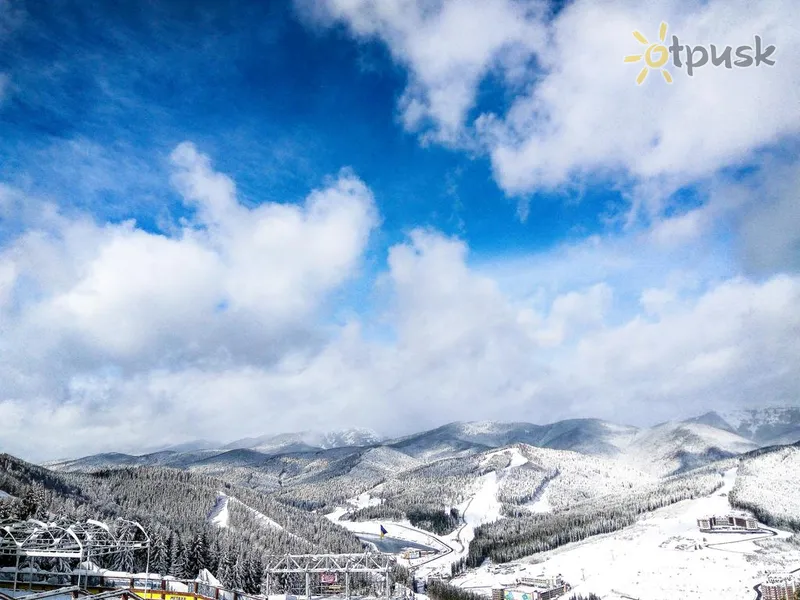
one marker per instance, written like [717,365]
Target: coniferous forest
[173,507]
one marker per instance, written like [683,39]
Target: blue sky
[279,105]
[388,214]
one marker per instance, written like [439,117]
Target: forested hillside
[173,506]
[510,539]
[768,484]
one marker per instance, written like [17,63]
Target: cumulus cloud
[448,48]
[576,111]
[235,284]
[219,330]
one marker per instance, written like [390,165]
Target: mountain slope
[172,500]
[307,440]
[591,436]
[767,483]
[766,426]
[675,447]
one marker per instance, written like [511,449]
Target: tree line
[510,539]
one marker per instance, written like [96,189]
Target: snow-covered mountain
[307,440]
[766,426]
[271,461]
[590,436]
[682,445]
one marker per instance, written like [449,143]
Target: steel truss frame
[307,564]
[80,540]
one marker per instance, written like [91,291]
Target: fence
[154,587]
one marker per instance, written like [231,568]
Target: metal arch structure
[377,563]
[80,540]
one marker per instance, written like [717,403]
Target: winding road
[771,533]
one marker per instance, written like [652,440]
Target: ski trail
[220,515]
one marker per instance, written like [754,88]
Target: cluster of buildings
[780,587]
[533,588]
[728,523]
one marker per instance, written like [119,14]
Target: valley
[611,508]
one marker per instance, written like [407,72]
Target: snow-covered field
[364,500]
[662,557]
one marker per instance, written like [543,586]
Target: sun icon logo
[649,56]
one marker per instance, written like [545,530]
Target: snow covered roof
[781,578]
[205,576]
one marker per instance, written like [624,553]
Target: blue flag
[383,531]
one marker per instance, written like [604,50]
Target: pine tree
[32,506]
[176,563]
[237,573]
[254,571]
[123,561]
[225,570]
[159,561]
[213,557]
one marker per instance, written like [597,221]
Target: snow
[220,515]
[657,450]
[484,506]
[661,557]
[364,501]
[265,520]
[770,481]
[5,494]
[400,530]
[579,477]
[205,576]
[480,427]
[751,419]
[515,456]
[542,503]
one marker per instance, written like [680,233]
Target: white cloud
[578,112]
[448,48]
[235,284]
[119,329]
[587,114]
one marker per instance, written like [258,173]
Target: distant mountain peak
[768,425]
[714,419]
[308,440]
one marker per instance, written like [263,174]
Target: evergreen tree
[159,559]
[238,573]
[176,562]
[225,570]
[33,503]
[213,557]
[123,561]
[196,555]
